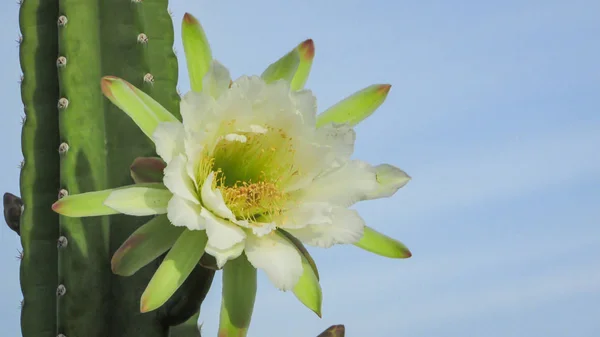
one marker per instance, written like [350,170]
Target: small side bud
[13,208]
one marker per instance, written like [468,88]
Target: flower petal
[147,170]
[213,199]
[223,255]
[239,293]
[355,181]
[277,257]
[344,227]
[175,268]
[198,112]
[356,107]
[196,49]
[184,213]
[306,105]
[304,214]
[147,243]
[222,234]
[383,245]
[343,186]
[143,109]
[168,138]
[217,80]
[140,200]
[306,50]
[177,180]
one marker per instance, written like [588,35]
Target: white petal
[194,143]
[305,214]
[222,234]
[262,228]
[197,110]
[224,255]
[213,199]
[177,180]
[216,80]
[184,213]
[340,139]
[306,105]
[331,146]
[345,227]
[277,257]
[168,137]
[344,186]
[139,201]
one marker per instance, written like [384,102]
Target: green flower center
[251,169]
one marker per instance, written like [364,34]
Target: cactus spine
[75,141]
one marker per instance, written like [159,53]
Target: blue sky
[494,112]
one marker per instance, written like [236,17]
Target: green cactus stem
[75,141]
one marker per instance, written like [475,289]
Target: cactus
[75,141]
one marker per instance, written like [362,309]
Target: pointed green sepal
[239,293]
[306,51]
[140,199]
[308,290]
[143,109]
[175,268]
[390,179]
[143,199]
[302,249]
[334,331]
[147,170]
[145,245]
[356,107]
[283,69]
[383,245]
[197,50]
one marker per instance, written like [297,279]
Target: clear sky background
[494,112]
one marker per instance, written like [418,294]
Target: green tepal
[74,141]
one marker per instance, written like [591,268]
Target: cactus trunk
[75,141]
